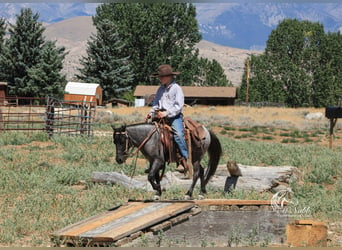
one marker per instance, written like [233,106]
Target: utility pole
[248,61]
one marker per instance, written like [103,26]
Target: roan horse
[146,137]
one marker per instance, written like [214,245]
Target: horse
[146,138]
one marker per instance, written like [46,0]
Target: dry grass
[49,180]
[236,115]
[276,119]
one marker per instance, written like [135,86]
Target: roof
[190,91]
[80,88]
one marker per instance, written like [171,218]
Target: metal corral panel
[123,221]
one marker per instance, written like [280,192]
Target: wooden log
[117,178]
[252,178]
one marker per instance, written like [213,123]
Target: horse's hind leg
[203,189]
[197,173]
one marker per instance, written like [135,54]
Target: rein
[128,143]
[145,140]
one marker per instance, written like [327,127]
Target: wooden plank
[139,220]
[123,220]
[126,220]
[102,219]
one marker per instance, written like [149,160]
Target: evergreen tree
[24,44]
[210,73]
[3,50]
[44,77]
[154,34]
[28,57]
[107,62]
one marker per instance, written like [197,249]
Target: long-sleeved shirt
[170,98]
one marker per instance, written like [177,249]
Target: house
[116,102]
[78,92]
[144,95]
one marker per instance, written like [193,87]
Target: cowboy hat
[165,70]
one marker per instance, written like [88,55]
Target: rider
[168,103]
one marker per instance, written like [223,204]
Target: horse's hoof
[187,197]
[156,198]
[201,197]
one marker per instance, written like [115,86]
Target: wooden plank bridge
[129,220]
[123,224]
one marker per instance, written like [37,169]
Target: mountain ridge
[236,24]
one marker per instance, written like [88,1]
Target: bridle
[129,144]
[127,141]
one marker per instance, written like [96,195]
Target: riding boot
[185,165]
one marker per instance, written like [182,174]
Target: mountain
[235,24]
[48,12]
[230,31]
[248,26]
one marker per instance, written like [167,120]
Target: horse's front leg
[154,179]
[198,172]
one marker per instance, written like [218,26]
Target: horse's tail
[214,151]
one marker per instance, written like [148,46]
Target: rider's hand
[148,116]
[162,114]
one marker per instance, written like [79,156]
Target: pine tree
[24,44]
[107,63]
[30,58]
[3,50]
[210,73]
[45,77]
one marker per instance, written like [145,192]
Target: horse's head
[121,141]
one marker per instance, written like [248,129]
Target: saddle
[194,135]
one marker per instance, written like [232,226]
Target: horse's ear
[113,127]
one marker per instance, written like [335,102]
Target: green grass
[45,188]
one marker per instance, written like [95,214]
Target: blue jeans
[178,131]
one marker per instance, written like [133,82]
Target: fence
[47,114]
[69,117]
[22,113]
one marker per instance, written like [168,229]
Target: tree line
[130,42]
[300,66]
